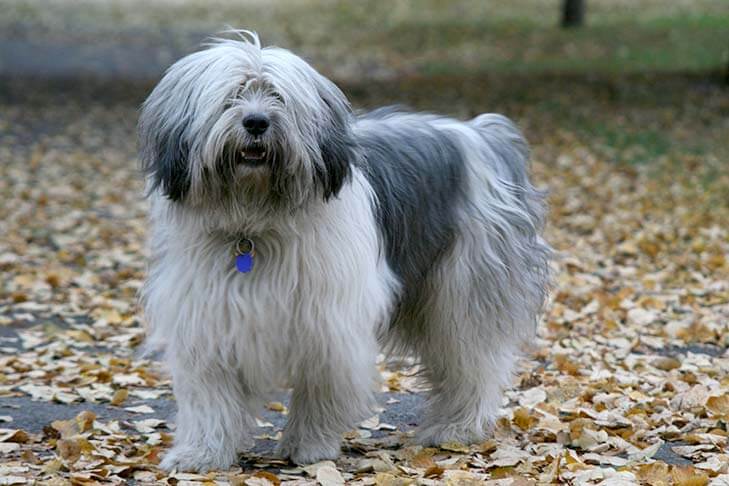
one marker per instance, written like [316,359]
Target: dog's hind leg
[480,307]
[481,301]
[466,354]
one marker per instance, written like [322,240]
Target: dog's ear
[336,144]
[164,152]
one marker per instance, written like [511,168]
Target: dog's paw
[301,452]
[197,458]
[437,434]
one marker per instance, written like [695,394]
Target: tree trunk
[573,13]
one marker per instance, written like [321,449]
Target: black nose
[256,124]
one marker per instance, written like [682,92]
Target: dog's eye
[229,102]
[277,96]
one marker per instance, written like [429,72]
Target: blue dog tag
[245,250]
[244,262]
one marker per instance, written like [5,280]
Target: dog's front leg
[333,391]
[214,417]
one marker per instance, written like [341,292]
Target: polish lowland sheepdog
[292,239]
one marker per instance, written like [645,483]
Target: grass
[426,36]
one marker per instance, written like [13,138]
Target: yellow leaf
[85,420]
[119,396]
[277,407]
[78,335]
[272,478]
[656,473]
[523,419]
[454,447]
[718,405]
[688,476]
[52,466]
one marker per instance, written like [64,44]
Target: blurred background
[639,78]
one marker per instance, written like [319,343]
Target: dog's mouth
[253,155]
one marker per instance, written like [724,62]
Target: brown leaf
[433,471]
[666,363]
[67,428]
[29,457]
[423,460]
[565,365]
[329,476]
[69,450]
[386,479]
[14,435]
[454,447]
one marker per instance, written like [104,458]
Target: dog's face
[237,122]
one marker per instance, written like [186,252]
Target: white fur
[302,318]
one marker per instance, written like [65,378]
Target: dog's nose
[256,123]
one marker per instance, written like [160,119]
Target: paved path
[33,416]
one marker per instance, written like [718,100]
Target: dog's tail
[516,206]
[510,149]
[509,160]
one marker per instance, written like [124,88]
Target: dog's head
[240,121]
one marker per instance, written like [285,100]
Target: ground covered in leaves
[627,383]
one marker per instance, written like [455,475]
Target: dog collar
[244,252]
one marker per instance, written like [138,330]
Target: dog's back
[418,174]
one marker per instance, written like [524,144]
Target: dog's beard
[253,172]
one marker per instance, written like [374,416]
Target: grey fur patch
[164,157]
[336,145]
[418,175]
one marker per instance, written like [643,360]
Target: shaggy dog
[290,239]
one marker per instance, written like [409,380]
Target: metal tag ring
[249,243]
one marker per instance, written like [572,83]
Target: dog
[291,240]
